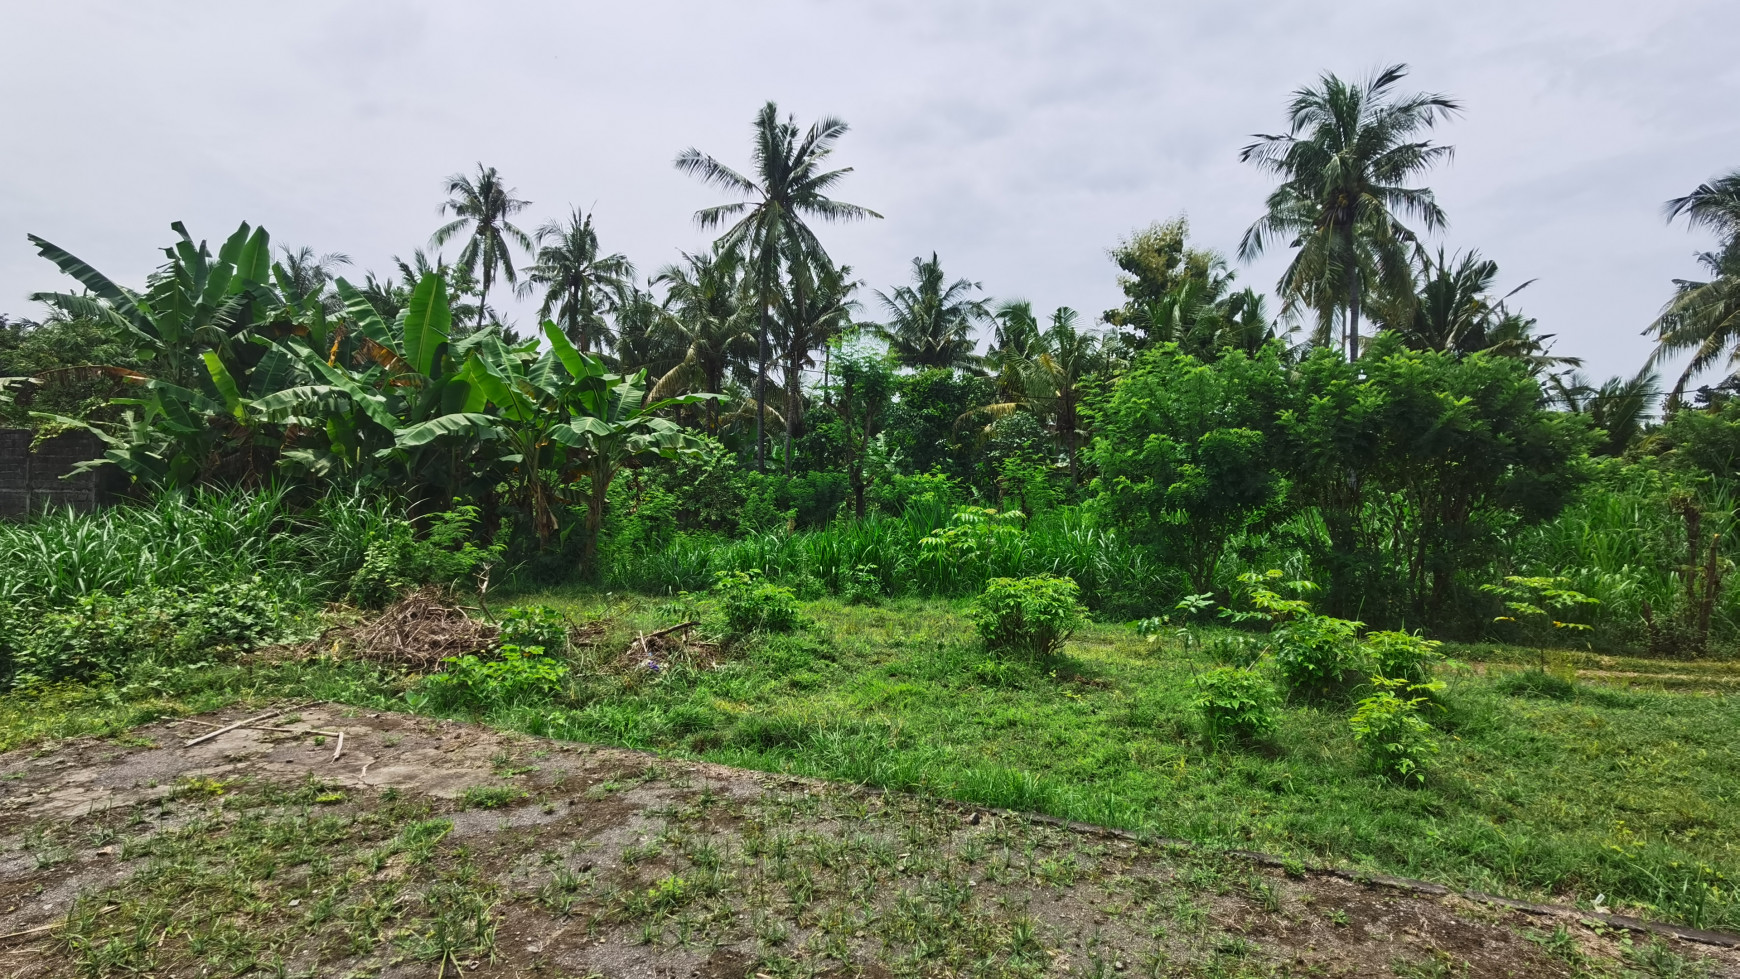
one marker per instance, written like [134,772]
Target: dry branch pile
[418,631]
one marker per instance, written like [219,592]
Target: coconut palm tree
[1344,164]
[790,185]
[481,209]
[709,318]
[815,307]
[301,274]
[1015,347]
[930,323]
[1620,406]
[578,282]
[1053,381]
[1704,316]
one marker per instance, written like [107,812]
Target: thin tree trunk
[1352,302]
[791,399]
[761,391]
[483,297]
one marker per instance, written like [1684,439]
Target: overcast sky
[1019,140]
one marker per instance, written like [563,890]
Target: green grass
[1626,788]
[1622,790]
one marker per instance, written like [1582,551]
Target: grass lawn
[1624,789]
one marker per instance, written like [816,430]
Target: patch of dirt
[431,847]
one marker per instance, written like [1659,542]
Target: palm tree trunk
[483,296]
[1352,301]
[579,325]
[761,391]
[584,314]
[791,400]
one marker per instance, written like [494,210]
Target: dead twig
[48,927]
[646,637]
[225,730]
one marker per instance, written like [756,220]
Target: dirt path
[432,848]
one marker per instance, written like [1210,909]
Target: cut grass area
[1624,789]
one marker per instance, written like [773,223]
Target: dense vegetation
[1394,453]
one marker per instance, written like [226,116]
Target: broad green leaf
[428,321]
[368,322]
[465,424]
[225,384]
[98,283]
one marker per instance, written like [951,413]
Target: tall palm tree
[709,318]
[930,323]
[647,336]
[481,208]
[816,307]
[789,186]
[1070,356]
[1052,383]
[1015,347]
[1704,316]
[1452,308]
[1344,164]
[578,282]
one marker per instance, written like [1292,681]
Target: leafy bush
[1403,655]
[1396,739]
[753,605]
[863,586]
[398,560]
[521,675]
[1317,655]
[1236,703]
[1027,616]
[534,625]
[105,634]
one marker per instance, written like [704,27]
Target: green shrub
[1237,704]
[521,675]
[103,634]
[1317,656]
[397,560]
[862,585]
[1397,740]
[1027,616]
[534,625]
[1403,655]
[753,605]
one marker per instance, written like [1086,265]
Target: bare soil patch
[432,848]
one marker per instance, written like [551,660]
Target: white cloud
[1017,139]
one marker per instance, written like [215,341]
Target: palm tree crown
[1704,316]
[578,282]
[930,323]
[302,275]
[483,205]
[708,316]
[1344,164]
[790,184]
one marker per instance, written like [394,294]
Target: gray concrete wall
[30,481]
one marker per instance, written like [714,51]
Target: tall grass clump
[1623,544]
[89,593]
[929,549]
[188,539]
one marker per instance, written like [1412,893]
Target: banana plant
[194,303]
[611,424]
